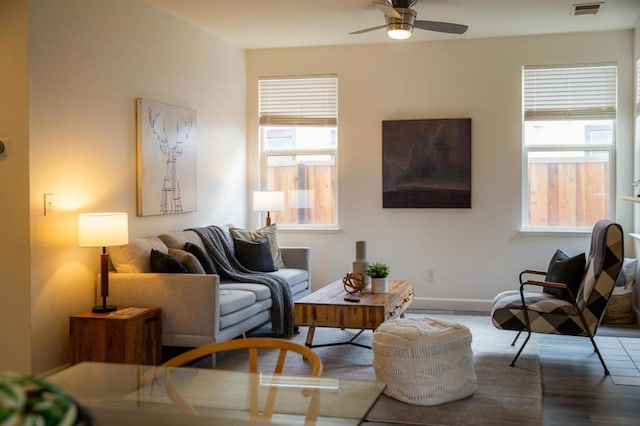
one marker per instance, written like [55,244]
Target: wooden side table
[129,335]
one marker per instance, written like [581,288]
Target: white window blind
[569,93]
[638,88]
[304,101]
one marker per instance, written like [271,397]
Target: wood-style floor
[575,389]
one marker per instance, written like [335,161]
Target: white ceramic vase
[379,285]
[360,265]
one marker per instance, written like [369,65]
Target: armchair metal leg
[514,340]
[587,330]
[513,363]
[595,347]
[527,323]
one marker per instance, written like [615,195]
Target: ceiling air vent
[586,8]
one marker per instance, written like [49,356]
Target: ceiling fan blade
[442,27]
[387,10]
[366,30]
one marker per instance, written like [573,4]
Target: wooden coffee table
[327,308]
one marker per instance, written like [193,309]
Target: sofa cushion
[254,255]
[261,291]
[233,300]
[165,263]
[135,256]
[243,314]
[271,232]
[292,275]
[202,256]
[300,290]
[180,238]
[188,260]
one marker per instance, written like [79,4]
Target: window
[568,145]
[299,148]
[638,88]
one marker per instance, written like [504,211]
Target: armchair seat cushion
[547,313]
[535,301]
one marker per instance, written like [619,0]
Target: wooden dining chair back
[252,344]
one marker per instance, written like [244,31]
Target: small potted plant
[378,272]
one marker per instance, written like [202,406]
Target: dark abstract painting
[426,163]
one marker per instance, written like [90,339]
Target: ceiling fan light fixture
[401,29]
[399,33]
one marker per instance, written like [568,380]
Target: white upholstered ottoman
[424,361]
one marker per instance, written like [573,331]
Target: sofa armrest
[297,257]
[189,302]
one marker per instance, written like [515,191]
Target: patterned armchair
[581,314]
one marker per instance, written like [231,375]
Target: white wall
[88,62]
[14,189]
[475,252]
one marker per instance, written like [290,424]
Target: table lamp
[103,230]
[268,201]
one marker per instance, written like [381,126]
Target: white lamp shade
[103,229]
[268,201]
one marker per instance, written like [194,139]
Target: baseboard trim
[476,305]
[53,371]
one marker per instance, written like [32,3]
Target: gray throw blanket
[220,250]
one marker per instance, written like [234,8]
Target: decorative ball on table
[353,282]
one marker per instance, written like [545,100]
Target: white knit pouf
[424,361]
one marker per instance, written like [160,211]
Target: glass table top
[133,394]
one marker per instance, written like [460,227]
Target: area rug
[505,395]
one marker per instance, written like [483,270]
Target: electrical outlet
[49,204]
[431,275]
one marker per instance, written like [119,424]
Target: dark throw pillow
[566,270]
[254,255]
[202,256]
[164,263]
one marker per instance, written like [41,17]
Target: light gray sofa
[197,309]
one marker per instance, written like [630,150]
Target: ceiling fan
[401,20]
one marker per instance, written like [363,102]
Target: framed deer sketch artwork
[166,158]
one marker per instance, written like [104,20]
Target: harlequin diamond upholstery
[581,315]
